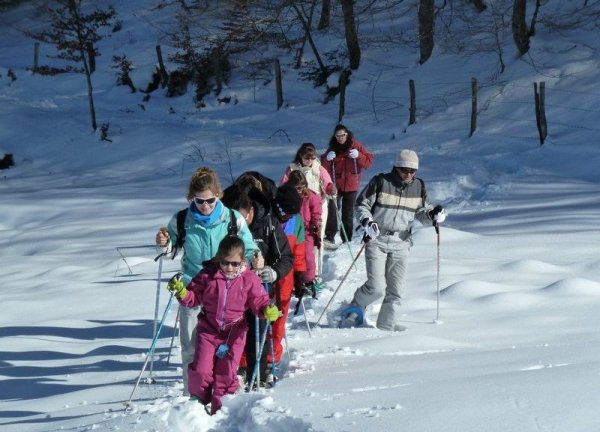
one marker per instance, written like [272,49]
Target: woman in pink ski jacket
[311,215]
[319,181]
[224,289]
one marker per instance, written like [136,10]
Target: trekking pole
[333,173]
[299,303]
[342,281]
[150,351]
[271,342]
[255,373]
[151,380]
[437,310]
[319,260]
[343,230]
[305,317]
[273,362]
[175,326]
[256,350]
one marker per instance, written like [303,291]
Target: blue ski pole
[150,351]
[255,373]
[271,346]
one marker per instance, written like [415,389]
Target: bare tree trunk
[91,57]
[534,18]
[325,15]
[413,103]
[306,25]
[300,51]
[351,34]
[426,22]
[36,56]
[88,78]
[164,76]
[519,26]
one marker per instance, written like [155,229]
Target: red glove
[330,189]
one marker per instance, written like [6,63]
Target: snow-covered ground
[516,344]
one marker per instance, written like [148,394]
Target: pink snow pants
[209,377]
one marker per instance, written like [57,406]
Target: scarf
[209,219]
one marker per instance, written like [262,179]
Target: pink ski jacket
[223,300]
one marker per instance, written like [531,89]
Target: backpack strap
[422,190]
[181,214]
[232,229]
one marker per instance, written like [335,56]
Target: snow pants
[386,261]
[286,286]
[345,202]
[188,320]
[309,257]
[210,377]
[319,252]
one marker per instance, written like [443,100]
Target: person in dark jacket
[272,241]
[344,160]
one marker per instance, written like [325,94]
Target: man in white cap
[386,209]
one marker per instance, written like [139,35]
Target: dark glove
[299,286]
[438,214]
[316,233]
[317,241]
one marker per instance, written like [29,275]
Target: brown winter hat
[407,159]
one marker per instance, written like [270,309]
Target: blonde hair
[202,180]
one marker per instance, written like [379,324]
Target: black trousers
[345,202]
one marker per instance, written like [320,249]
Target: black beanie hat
[287,200]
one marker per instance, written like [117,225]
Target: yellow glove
[271,313]
[177,286]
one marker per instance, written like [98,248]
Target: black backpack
[232,229]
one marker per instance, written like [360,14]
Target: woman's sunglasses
[201,201]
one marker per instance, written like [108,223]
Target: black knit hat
[287,200]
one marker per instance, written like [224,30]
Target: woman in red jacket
[344,159]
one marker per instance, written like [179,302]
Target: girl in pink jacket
[225,288]
[311,215]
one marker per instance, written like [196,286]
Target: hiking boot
[271,375]
[351,319]
[312,288]
[242,374]
[352,316]
[394,328]
[329,243]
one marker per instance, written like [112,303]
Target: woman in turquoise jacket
[207,221]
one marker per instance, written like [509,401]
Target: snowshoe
[352,316]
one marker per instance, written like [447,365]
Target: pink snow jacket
[311,212]
[224,300]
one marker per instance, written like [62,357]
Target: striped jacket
[394,205]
